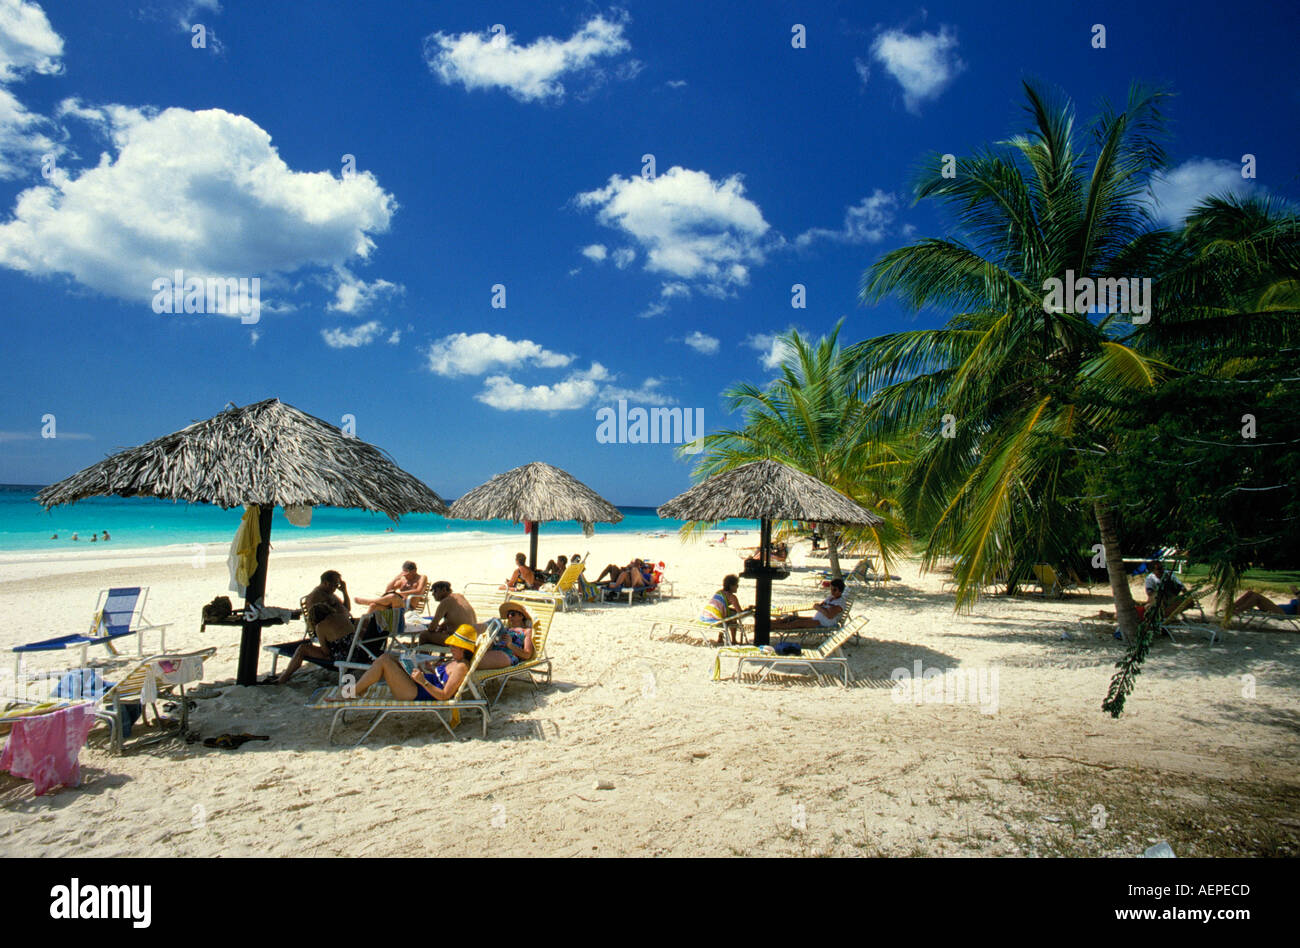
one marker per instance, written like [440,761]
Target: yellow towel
[731,650]
[243,551]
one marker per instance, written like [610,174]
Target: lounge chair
[1258,619]
[1048,579]
[119,612]
[381,701]
[708,629]
[810,659]
[543,615]
[818,630]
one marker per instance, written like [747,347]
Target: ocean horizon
[135,522]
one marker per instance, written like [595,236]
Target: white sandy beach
[786,767]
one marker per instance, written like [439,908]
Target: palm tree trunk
[1125,608]
[833,548]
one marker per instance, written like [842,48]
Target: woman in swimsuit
[514,637]
[428,682]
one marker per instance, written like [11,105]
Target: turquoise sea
[139,521]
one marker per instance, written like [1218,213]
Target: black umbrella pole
[763,587]
[532,546]
[250,642]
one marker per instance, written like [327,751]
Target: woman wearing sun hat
[514,636]
[428,682]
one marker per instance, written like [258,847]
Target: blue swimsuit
[437,677]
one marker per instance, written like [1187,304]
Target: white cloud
[27,41]
[532,72]
[702,343]
[689,226]
[653,310]
[253,337]
[204,192]
[772,351]
[464,354]
[1183,187]
[185,20]
[650,393]
[677,83]
[575,391]
[866,222]
[623,256]
[27,44]
[923,64]
[362,335]
[863,69]
[674,290]
[596,252]
[396,338]
[353,295]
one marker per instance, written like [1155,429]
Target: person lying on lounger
[428,681]
[723,604]
[555,569]
[1253,600]
[406,583]
[826,613]
[524,577]
[453,611]
[514,637]
[331,621]
[636,575]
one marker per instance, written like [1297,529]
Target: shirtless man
[331,617]
[522,575]
[406,583]
[453,611]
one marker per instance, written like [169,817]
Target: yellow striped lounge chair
[381,701]
[706,627]
[146,682]
[543,614]
[810,660]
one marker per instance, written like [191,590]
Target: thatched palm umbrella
[765,490]
[269,454]
[532,494]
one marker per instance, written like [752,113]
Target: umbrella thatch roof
[766,490]
[537,492]
[269,454]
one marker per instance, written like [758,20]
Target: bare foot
[336,698]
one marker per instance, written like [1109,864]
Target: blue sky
[210,136]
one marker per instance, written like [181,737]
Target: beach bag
[788,648]
[219,608]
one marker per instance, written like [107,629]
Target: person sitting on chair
[330,620]
[1174,592]
[406,583]
[636,574]
[1253,600]
[523,577]
[826,613]
[514,637]
[427,682]
[724,603]
[453,611]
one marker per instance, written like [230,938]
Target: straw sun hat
[512,606]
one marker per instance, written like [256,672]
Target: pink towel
[45,748]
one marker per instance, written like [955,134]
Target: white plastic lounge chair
[381,701]
[119,612]
[810,660]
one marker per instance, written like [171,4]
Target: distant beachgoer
[74,537]
[1253,600]
[105,536]
[523,576]
[724,537]
[55,537]
[331,617]
[94,537]
[406,583]
[428,682]
[453,611]
[724,603]
[826,614]
[636,574]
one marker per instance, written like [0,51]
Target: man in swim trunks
[330,619]
[453,611]
[826,613]
[406,583]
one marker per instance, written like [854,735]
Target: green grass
[1266,581]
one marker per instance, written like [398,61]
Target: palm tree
[810,418]
[1010,396]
